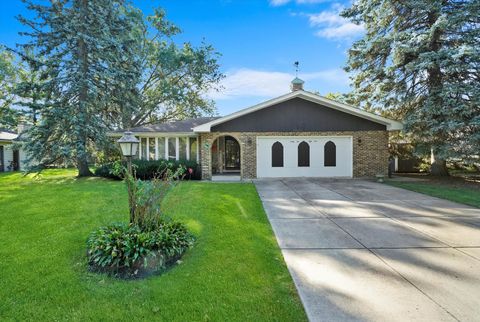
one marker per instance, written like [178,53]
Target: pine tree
[420,61]
[29,89]
[79,42]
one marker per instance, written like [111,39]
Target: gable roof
[183,126]
[7,135]
[391,125]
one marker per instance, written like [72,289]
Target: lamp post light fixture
[129,146]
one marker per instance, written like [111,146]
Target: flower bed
[127,251]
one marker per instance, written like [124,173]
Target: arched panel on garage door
[303,154]
[277,155]
[330,154]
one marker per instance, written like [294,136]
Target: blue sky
[259,41]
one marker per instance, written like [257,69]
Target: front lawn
[234,272]
[468,195]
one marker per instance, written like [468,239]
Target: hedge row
[146,170]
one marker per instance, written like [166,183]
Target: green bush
[147,170]
[126,251]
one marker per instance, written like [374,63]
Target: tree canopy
[419,61]
[96,66]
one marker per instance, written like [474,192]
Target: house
[9,156]
[12,156]
[299,134]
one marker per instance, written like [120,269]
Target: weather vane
[296,64]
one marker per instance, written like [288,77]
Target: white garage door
[304,156]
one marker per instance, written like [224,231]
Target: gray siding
[297,115]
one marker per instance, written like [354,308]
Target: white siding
[7,156]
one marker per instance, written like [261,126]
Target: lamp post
[129,146]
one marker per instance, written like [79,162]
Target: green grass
[234,272]
[465,195]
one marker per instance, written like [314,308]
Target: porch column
[148,148]
[188,148]
[140,148]
[177,150]
[166,148]
[156,148]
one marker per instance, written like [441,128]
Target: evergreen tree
[79,42]
[8,79]
[29,89]
[420,60]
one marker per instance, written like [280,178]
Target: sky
[259,41]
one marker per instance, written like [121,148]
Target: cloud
[332,26]
[256,83]
[277,3]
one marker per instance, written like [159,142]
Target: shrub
[127,251]
[147,170]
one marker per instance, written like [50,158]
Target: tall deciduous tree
[168,81]
[420,60]
[80,41]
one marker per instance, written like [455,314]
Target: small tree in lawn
[420,60]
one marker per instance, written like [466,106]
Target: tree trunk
[82,161]
[83,169]
[439,168]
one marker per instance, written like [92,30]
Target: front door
[232,154]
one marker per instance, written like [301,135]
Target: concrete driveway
[364,251]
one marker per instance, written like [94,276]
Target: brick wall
[370,151]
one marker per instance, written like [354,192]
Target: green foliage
[8,79]
[147,170]
[128,251]
[79,43]
[93,66]
[168,80]
[419,62]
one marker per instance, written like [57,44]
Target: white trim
[156,148]
[166,148]
[390,124]
[154,134]
[140,148]
[148,148]
[396,163]
[188,147]
[198,149]
[177,150]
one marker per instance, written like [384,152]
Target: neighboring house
[12,158]
[9,158]
[299,134]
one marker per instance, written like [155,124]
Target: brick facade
[370,150]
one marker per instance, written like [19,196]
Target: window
[151,148]
[330,154]
[193,149]
[277,155]
[161,148]
[172,149]
[303,154]
[182,148]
